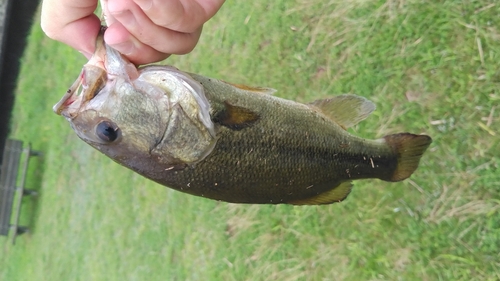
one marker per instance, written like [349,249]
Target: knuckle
[49,30]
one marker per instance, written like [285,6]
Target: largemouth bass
[229,142]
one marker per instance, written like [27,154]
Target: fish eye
[107,131]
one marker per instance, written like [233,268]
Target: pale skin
[145,31]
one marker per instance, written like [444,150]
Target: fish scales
[299,145]
[226,141]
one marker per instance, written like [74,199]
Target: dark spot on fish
[236,117]
[107,131]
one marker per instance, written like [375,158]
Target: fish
[229,142]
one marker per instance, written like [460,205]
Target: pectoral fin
[337,194]
[346,110]
[236,117]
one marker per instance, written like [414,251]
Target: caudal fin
[409,148]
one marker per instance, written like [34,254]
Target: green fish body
[287,152]
[230,142]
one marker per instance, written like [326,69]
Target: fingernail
[126,48]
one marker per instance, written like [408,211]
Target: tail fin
[409,148]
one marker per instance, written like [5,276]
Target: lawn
[430,67]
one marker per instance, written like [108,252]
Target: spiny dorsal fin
[258,90]
[346,110]
[337,194]
[236,117]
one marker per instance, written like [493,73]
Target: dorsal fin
[337,194]
[346,110]
[236,117]
[258,90]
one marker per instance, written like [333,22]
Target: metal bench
[9,185]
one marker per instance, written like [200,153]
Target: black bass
[229,142]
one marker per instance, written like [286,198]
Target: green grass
[430,66]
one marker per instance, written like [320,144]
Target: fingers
[180,15]
[135,35]
[71,22]
[144,30]
[137,52]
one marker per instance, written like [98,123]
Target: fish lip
[105,64]
[90,82]
[68,98]
[98,59]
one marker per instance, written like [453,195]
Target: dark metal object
[16,18]
[10,183]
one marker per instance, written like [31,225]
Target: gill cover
[190,134]
[157,111]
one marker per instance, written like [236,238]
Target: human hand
[145,31]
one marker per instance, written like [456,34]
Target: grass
[430,67]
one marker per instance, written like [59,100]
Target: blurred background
[429,66]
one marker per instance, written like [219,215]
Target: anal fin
[337,194]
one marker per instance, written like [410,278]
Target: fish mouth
[69,98]
[105,64]
[91,80]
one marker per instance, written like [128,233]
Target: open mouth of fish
[101,70]
[89,82]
